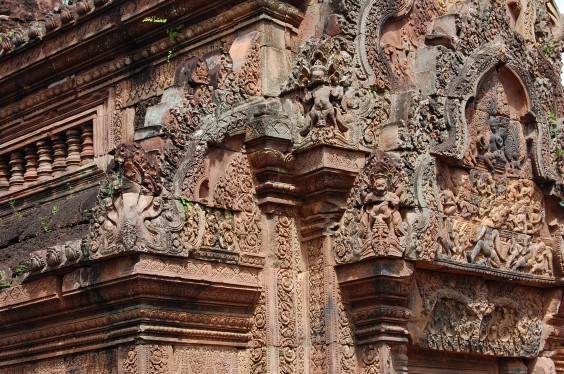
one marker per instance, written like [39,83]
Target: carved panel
[205,360]
[469,315]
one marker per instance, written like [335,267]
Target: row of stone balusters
[47,158]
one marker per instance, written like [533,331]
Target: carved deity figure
[488,244]
[450,206]
[322,97]
[381,222]
[541,262]
[493,147]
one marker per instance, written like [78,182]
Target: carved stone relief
[205,360]
[467,315]
[373,225]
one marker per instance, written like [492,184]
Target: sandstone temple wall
[282,186]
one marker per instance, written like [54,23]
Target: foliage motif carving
[286,289]
[317,300]
[258,342]
[236,193]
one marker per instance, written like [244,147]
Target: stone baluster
[17,169]
[59,154]
[45,170]
[87,154]
[4,174]
[31,157]
[73,143]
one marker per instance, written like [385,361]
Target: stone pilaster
[376,292]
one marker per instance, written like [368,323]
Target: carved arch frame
[384,10]
[465,86]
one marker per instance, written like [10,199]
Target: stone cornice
[108,34]
[150,297]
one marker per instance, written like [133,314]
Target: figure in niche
[513,149]
[381,222]
[519,254]
[492,148]
[489,245]
[322,97]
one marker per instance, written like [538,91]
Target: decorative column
[4,175]
[73,142]
[17,169]
[30,175]
[87,154]
[59,154]
[306,192]
[44,171]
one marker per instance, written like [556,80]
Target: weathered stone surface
[275,186]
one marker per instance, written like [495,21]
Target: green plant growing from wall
[548,49]
[16,272]
[43,221]
[19,270]
[14,209]
[155,20]
[172,33]
[186,205]
[70,188]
